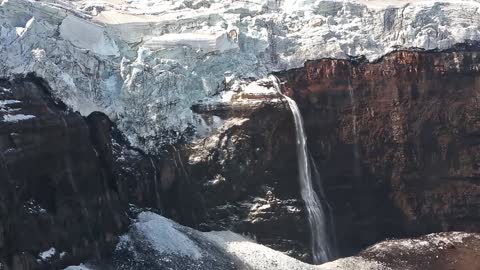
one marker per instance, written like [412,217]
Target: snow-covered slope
[155,242]
[145,62]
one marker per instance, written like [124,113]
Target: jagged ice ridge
[145,62]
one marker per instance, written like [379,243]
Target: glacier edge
[145,63]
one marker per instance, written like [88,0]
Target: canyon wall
[397,141]
[55,191]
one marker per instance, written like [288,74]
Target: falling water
[155,183]
[316,215]
[356,152]
[330,227]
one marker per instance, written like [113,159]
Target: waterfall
[315,211]
[155,183]
[356,151]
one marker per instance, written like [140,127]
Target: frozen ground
[145,62]
[155,242]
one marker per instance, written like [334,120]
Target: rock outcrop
[247,174]
[56,193]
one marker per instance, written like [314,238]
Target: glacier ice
[146,62]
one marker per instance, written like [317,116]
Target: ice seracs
[84,34]
[144,63]
[217,42]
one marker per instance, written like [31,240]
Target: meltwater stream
[316,216]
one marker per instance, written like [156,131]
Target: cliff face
[246,172]
[397,141]
[67,182]
[55,193]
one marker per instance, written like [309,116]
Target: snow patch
[430,242]
[6,102]
[78,267]
[161,233]
[47,254]
[14,118]
[32,207]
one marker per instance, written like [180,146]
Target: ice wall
[144,63]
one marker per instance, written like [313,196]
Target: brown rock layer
[397,141]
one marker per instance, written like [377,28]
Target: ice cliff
[145,62]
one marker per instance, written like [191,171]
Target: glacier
[146,62]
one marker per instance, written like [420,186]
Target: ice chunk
[162,235]
[87,35]
[219,42]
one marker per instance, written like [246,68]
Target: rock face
[397,141]
[452,250]
[67,181]
[55,191]
[248,174]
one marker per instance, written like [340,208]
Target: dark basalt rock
[248,174]
[55,191]
[68,182]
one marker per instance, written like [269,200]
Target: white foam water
[316,216]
